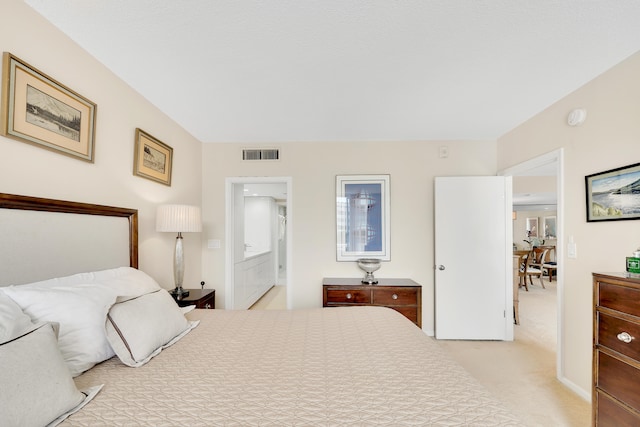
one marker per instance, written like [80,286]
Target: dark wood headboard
[26,203]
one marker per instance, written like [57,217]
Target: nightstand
[201,298]
[402,295]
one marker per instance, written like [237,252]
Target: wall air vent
[260,154]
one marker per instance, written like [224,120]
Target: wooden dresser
[402,295]
[616,350]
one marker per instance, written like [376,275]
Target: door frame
[230,182]
[556,156]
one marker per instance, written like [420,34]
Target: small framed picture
[549,226]
[532,227]
[152,158]
[614,194]
[43,112]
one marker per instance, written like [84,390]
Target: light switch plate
[572,251]
[213,243]
[443,152]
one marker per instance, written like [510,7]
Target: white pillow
[13,321]
[37,388]
[80,310]
[139,328]
[122,280]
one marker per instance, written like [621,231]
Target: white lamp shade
[178,218]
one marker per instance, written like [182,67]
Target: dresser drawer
[347,296]
[619,298]
[612,413]
[395,296]
[618,379]
[608,329]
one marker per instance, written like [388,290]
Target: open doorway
[528,201]
[258,246]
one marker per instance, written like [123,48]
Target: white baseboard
[586,395]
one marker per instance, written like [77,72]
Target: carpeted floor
[522,373]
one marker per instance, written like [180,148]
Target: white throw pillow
[139,328]
[13,321]
[122,280]
[80,310]
[37,388]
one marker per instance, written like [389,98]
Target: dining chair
[528,269]
[551,268]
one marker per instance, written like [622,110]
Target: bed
[170,366]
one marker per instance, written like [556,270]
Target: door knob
[441,267]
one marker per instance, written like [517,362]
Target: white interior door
[473,250]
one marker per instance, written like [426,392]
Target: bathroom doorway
[258,239]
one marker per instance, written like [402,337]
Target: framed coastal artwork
[39,110]
[152,159]
[362,217]
[613,194]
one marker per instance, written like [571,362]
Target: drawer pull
[394,296]
[625,337]
[348,296]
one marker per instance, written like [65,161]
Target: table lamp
[178,219]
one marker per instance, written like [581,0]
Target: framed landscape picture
[39,110]
[613,194]
[153,159]
[362,217]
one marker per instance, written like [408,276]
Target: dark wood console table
[402,295]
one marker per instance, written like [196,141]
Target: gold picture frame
[42,111]
[153,159]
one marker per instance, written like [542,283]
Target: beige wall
[313,168]
[609,138]
[29,170]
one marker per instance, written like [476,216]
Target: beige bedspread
[320,367]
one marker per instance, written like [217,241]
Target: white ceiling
[351,70]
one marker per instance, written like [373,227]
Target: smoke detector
[577,117]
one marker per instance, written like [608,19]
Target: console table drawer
[397,296]
[410,313]
[348,296]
